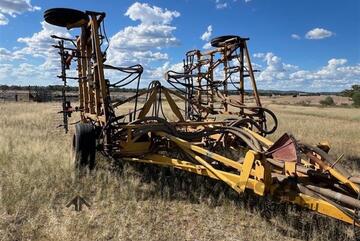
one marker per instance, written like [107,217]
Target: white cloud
[3,20]
[39,44]
[295,36]
[150,15]
[318,33]
[144,37]
[207,34]
[25,74]
[336,75]
[13,8]
[274,70]
[144,43]
[331,70]
[336,62]
[221,5]
[247,1]
[207,46]
[158,72]
[6,55]
[5,72]
[206,37]
[259,55]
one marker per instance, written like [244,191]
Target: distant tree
[356,99]
[349,93]
[328,101]
[354,94]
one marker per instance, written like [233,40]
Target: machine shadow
[171,184]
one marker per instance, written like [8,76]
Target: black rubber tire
[216,42]
[84,146]
[65,17]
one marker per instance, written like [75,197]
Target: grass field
[37,181]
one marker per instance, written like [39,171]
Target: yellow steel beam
[148,104]
[94,117]
[173,105]
[236,181]
[82,70]
[257,186]
[195,103]
[259,137]
[101,101]
[217,157]
[181,124]
[300,199]
[263,170]
[90,80]
[220,176]
[343,179]
[290,168]
[252,76]
[81,78]
[246,170]
[319,206]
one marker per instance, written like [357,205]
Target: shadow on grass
[289,220]
[352,162]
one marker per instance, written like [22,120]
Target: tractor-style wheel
[84,146]
[66,17]
[218,41]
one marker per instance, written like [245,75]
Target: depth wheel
[218,41]
[66,17]
[84,146]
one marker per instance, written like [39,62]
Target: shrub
[328,101]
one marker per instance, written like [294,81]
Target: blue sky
[297,45]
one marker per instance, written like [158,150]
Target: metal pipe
[355,203]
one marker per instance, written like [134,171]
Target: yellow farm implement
[207,131]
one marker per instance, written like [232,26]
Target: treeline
[285,92]
[54,88]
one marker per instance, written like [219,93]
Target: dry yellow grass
[36,182]
[307,100]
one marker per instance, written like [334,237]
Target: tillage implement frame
[212,126]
